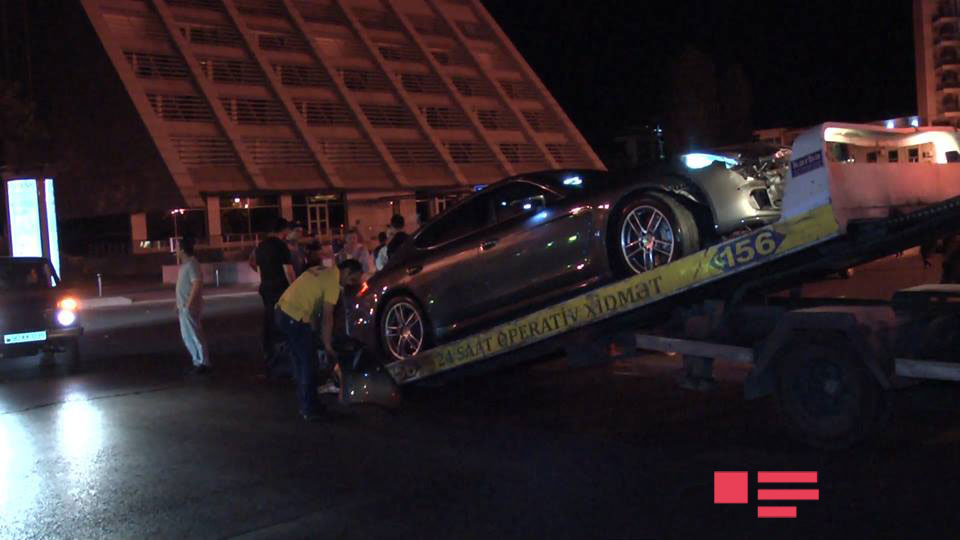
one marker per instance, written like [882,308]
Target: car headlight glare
[66,317]
[701,161]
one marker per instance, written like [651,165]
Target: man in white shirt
[354,249]
[190,307]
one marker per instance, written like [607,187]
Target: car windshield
[18,275]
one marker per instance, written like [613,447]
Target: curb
[123,301]
[109,301]
[206,297]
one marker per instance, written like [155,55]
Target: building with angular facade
[937,46]
[332,112]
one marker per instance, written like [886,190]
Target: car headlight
[67,311]
[701,161]
[66,317]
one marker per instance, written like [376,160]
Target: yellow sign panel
[741,253]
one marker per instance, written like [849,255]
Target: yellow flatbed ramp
[823,196]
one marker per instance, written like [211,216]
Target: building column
[368,213]
[214,228]
[138,230]
[286,206]
[408,209]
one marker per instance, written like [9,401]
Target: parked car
[535,238]
[35,316]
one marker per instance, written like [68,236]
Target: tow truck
[855,194]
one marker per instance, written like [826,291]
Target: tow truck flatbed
[836,214]
[826,227]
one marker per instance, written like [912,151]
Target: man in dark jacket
[399,235]
[273,260]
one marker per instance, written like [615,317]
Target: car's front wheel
[403,330]
[653,230]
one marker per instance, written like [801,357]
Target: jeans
[269,336]
[193,337]
[303,348]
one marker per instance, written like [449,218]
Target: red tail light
[363,289]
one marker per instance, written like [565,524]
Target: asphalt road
[133,449]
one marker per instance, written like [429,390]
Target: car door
[444,274]
[536,249]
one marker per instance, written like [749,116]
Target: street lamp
[176,234]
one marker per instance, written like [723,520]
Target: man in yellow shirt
[312,295]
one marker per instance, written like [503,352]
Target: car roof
[531,174]
[544,172]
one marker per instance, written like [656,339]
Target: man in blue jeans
[313,295]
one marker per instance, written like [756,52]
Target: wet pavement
[131,449]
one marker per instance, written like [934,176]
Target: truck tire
[826,396]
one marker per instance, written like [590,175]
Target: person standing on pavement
[298,256]
[189,294]
[396,237]
[399,235]
[273,260]
[313,295]
[353,248]
[950,243]
[382,244]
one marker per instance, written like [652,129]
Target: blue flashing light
[700,161]
[891,124]
[915,121]
[573,181]
[479,187]
[527,206]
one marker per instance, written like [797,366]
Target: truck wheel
[652,230]
[826,395]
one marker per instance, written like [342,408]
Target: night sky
[807,61]
[608,61]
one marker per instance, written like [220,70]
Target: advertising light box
[53,241]
[26,240]
[32,219]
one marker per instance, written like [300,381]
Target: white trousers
[193,338]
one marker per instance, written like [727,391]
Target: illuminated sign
[52,235]
[26,239]
[32,215]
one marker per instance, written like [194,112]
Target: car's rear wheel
[403,329]
[653,230]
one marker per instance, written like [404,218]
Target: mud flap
[588,349]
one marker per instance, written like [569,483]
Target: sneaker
[202,369]
[330,388]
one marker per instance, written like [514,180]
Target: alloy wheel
[403,330]
[646,239]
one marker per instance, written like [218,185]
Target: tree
[692,104]
[735,100]
[23,138]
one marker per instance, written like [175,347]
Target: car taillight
[363,289]
[68,304]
